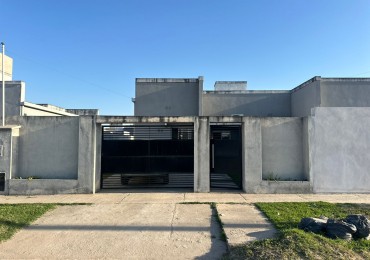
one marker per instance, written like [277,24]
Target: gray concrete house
[313,138]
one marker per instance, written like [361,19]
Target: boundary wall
[326,152]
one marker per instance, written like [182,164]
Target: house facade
[311,139]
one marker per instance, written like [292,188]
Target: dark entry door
[226,157]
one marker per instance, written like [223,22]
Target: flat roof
[171,80]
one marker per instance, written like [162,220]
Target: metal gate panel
[138,156]
[226,157]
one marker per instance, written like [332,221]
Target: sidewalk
[177,197]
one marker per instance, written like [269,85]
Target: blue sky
[87,54]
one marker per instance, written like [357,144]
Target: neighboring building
[8,67]
[16,105]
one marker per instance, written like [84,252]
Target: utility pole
[3,80]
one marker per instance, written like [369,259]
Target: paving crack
[302,197]
[243,197]
[124,197]
[173,217]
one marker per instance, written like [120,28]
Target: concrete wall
[339,143]
[42,186]
[167,97]
[87,153]
[282,149]
[48,147]
[8,152]
[330,92]
[14,95]
[305,149]
[338,92]
[65,152]
[305,97]
[251,103]
[252,154]
[201,154]
[59,150]
[83,112]
[272,133]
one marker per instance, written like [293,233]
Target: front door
[226,157]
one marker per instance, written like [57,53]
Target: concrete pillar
[200,97]
[86,154]
[99,140]
[201,154]
[252,154]
[8,151]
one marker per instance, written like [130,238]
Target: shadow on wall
[282,149]
[175,100]
[252,104]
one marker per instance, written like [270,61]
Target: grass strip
[16,216]
[293,243]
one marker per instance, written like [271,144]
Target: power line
[361,73]
[70,75]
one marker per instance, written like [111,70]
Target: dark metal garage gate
[147,156]
[226,157]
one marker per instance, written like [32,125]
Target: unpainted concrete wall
[345,93]
[83,112]
[282,149]
[305,98]
[259,104]
[48,147]
[306,148]
[87,153]
[14,95]
[339,143]
[252,154]
[167,99]
[260,134]
[201,154]
[6,153]
[44,187]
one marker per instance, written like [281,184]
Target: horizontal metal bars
[180,132]
[175,180]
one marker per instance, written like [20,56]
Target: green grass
[16,216]
[293,243]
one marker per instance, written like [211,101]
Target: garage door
[147,156]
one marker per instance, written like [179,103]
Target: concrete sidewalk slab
[244,223]
[252,198]
[338,198]
[177,197]
[222,197]
[154,198]
[119,231]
